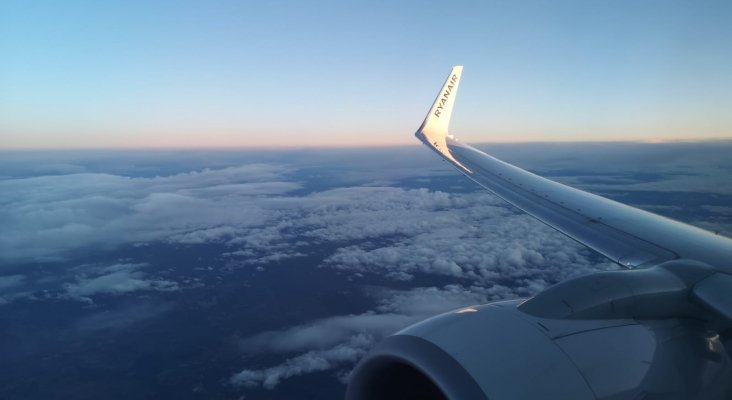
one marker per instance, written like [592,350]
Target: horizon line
[344,146]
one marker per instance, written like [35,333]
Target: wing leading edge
[628,236]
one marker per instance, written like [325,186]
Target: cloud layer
[469,246]
[262,217]
[49,217]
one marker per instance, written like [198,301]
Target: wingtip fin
[434,129]
[438,119]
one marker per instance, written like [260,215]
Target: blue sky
[88,74]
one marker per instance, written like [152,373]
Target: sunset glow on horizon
[183,74]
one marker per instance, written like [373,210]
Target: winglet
[434,129]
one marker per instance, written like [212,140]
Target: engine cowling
[496,351]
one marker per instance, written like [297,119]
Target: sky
[194,74]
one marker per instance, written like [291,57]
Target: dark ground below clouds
[181,344]
[186,347]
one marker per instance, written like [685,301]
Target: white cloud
[326,332]
[206,235]
[116,279]
[312,361]
[470,236]
[46,217]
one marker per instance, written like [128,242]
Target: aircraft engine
[497,351]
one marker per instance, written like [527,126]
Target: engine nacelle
[496,351]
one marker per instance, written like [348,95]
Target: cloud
[10,281]
[206,235]
[339,342]
[312,361]
[722,210]
[402,232]
[325,333]
[49,217]
[121,318]
[114,280]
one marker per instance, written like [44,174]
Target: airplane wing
[661,330]
[628,236]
